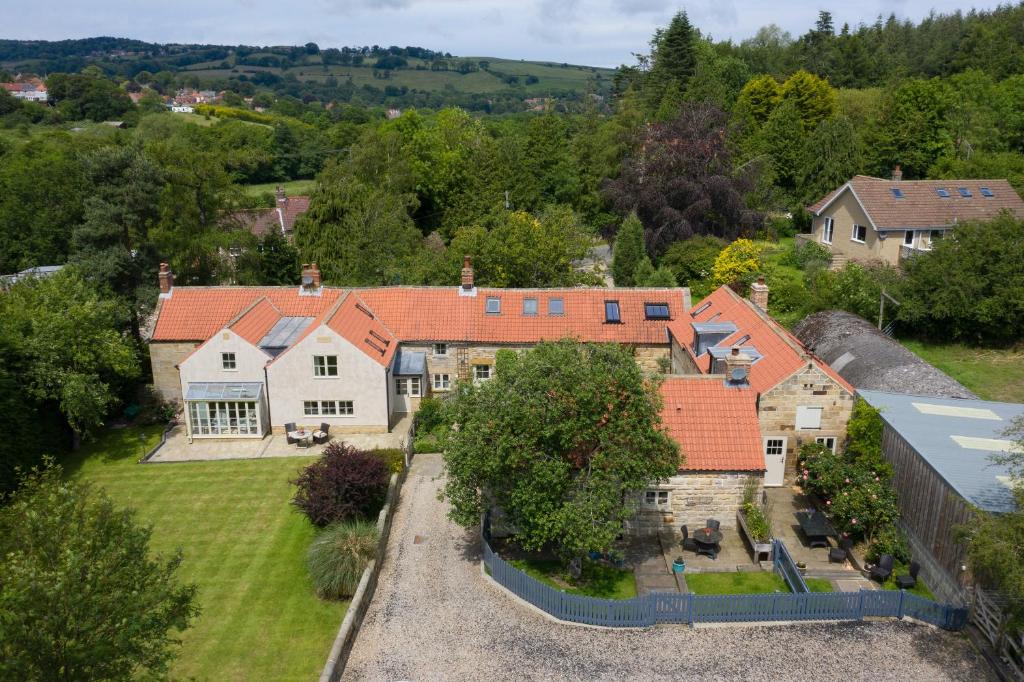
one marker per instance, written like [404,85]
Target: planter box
[760,548]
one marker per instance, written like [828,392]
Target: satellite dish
[739,374]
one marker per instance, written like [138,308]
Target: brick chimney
[897,174]
[467,274]
[737,367]
[759,294]
[310,276]
[166,279]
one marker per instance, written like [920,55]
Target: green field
[243,545]
[291,187]
[991,373]
[747,582]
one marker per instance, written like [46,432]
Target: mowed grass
[993,374]
[243,546]
[747,582]
[596,580]
[291,187]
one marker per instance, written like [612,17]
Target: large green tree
[562,440]
[629,251]
[82,597]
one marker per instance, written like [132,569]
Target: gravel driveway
[434,617]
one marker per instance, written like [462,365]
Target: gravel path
[434,617]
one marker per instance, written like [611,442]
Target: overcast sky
[592,32]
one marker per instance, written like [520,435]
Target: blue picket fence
[667,607]
[786,567]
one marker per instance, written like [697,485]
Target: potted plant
[802,567]
[755,526]
[679,565]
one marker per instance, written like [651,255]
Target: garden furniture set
[705,541]
[305,438]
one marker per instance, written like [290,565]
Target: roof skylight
[956,411]
[493,305]
[986,192]
[700,309]
[611,312]
[556,306]
[964,192]
[529,306]
[656,311]
[942,192]
[897,192]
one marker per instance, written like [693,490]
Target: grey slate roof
[869,359]
[283,334]
[223,390]
[966,468]
[409,363]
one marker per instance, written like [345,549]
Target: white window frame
[311,408]
[410,386]
[824,440]
[853,233]
[808,417]
[225,359]
[657,499]
[346,408]
[440,350]
[442,382]
[769,445]
[477,373]
[329,408]
[322,366]
[828,230]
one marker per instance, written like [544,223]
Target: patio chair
[883,569]
[688,542]
[905,582]
[713,524]
[288,428]
[320,437]
[709,551]
[839,554]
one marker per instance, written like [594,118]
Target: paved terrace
[436,617]
[178,449]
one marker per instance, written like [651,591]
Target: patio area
[178,449]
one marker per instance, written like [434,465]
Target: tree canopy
[561,439]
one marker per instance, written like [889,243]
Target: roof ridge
[317,322]
[245,311]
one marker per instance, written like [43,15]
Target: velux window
[556,306]
[529,306]
[656,311]
[611,312]
[493,305]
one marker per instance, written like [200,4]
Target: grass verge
[291,187]
[597,580]
[993,374]
[243,545]
[747,582]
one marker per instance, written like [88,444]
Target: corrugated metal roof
[945,439]
[224,390]
[410,363]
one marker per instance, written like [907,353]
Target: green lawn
[920,589]
[291,187]
[991,373]
[243,545]
[747,582]
[597,580]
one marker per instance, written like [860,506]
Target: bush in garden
[864,439]
[738,264]
[393,457]
[430,414]
[691,261]
[889,541]
[807,254]
[345,483]
[427,443]
[338,557]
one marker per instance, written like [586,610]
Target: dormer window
[556,306]
[656,311]
[529,306]
[611,312]
[493,305]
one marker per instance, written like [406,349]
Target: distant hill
[399,76]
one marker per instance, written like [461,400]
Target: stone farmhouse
[873,219]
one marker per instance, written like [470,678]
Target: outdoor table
[707,540]
[303,436]
[816,527]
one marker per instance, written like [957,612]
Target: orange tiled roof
[715,425]
[436,313]
[355,322]
[921,206]
[781,353]
[253,324]
[197,313]
[260,221]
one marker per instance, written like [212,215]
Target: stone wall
[682,362]
[164,357]
[694,497]
[807,387]
[653,358]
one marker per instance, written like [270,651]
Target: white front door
[406,388]
[774,461]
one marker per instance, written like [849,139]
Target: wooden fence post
[899,611]
[860,605]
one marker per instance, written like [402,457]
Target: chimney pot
[897,174]
[759,294]
[737,360]
[165,278]
[310,276]
[467,273]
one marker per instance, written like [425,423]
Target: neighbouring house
[183,108]
[798,397]
[940,450]
[247,360]
[873,219]
[870,360]
[392,114]
[281,218]
[714,419]
[28,89]
[38,272]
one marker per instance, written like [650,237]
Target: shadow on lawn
[119,444]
